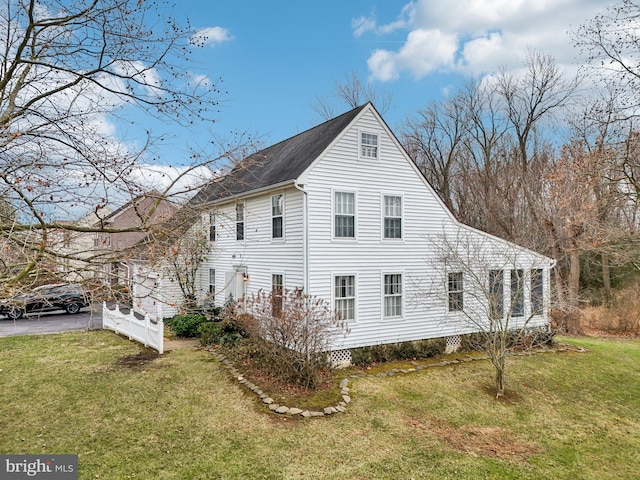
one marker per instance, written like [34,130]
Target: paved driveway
[51,322]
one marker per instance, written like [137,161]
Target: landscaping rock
[346,398]
[267,400]
[294,411]
[274,406]
[282,409]
[344,382]
[328,411]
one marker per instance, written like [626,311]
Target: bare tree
[185,258]
[434,139]
[66,70]
[496,291]
[352,92]
[531,98]
[611,43]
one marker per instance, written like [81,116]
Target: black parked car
[70,298]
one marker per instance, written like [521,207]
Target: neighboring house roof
[138,202]
[280,163]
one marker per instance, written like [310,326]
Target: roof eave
[252,193]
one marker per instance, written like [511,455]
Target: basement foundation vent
[340,358]
[454,342]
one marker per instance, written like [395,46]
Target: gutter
[305,236]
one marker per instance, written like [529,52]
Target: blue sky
[275,58]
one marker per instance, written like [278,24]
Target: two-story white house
[343,213]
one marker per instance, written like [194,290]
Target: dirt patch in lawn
[480,441]
[139,359]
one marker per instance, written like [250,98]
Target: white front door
[235,285]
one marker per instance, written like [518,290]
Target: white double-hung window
[344,214]
[240,221]
[392,216]
[345,296]
[368,145]
[277,216]
[393,295]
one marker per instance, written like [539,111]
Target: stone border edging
[341,406]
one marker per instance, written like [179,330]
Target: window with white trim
[277,215]
[393,295]
[455,292]
[277,291]
[496,294]
[517,293]
[345,296]
[212,227]
[368,145]
[212,282]
[537,292]
[344,210]
[392,216]
[240,221]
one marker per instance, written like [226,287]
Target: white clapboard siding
[259,254]
[369,256]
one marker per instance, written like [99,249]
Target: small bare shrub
[566,321]
[627,309]
[622,318]
[293,332]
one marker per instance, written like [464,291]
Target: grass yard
[572,416]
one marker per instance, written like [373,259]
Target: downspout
[305,237]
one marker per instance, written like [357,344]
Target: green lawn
[574,416]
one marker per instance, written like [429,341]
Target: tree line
[545,160]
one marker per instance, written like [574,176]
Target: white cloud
[181,180]
[424,52]
[211,36]
[475,37]
[362,25]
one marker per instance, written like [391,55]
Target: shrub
[186,325]
[292,333]
[566,321]
[398,351]
[224,331]
[516,340]
[622,318]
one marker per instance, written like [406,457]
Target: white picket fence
[145,331]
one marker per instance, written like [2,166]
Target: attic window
[368,145]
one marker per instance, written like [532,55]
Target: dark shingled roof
[279,163]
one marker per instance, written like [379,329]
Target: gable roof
[280,163]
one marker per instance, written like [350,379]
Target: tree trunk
[574,277]
[500,378]
[498,359]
